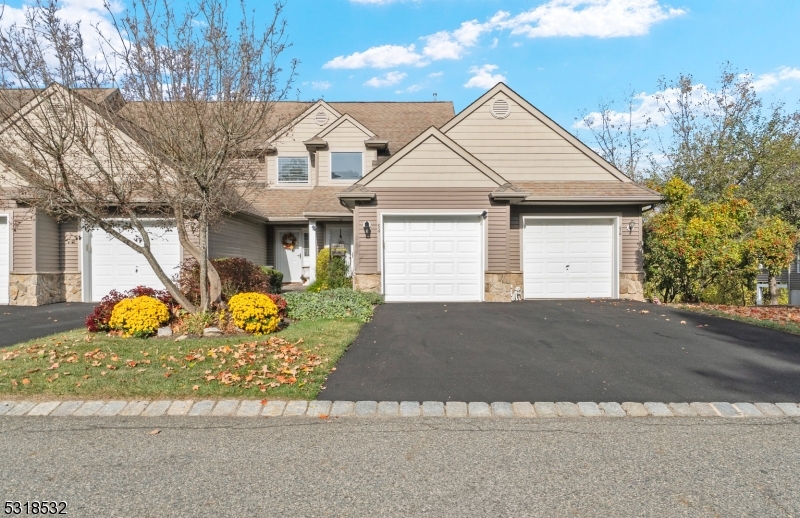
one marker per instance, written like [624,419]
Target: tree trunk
[203,262]
[773,290]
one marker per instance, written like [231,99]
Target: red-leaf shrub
[97,321]
[280,302]
[237,275]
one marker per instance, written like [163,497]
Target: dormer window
[293,169]
[347,166]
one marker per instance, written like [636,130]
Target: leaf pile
[779,314]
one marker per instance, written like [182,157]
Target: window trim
[330,165]
[278,170]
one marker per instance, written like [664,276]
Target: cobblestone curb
[393,409]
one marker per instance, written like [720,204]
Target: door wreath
[289,241]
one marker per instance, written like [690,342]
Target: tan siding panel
[238,238]
[24,221]
[69,242]
[47,244]
[522,148]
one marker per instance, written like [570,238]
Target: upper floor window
[292,169]
[347,166]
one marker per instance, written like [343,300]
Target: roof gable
[525,144]
[432,160]
[346,121]
[307,117]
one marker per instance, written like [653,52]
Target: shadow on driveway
[564,351]
[22,323]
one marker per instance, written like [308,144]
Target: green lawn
[291,364]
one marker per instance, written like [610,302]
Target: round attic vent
[500,109]
[321,117]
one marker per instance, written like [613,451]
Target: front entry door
[342,236]
[289,254]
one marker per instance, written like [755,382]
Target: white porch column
[312,249]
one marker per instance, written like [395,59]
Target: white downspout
[312,252]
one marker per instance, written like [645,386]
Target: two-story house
[491,204]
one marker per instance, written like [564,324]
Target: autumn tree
[198,84]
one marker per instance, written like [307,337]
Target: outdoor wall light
[631,225]
[484,214]
[367,229]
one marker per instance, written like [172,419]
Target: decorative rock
[501,409]
[544,409]
[249,408]
[318,408]
[273,408]
[566,409]
[455,409]
[525,409]
[181,338]
[388,409]
[66,408]
[89,408]
[156,408]
[43,409]
[704,409]
[769,410]
[295,408]
[432,409]
[748,409]
[634,409]
[111,408]
[133,408]
[682,410]
[366,408]
[212,331]
[342,408]
[611,409]
[588,409]
[658,409]
[164,331]
[789,409]
[409,409]
[726,409]
[476,409]
[201,408]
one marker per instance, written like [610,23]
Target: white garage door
[432,258]
[5,259]
[568,258]
[116,266]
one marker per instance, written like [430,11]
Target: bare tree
[620,136]
[200,94]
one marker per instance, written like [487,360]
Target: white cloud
[770,80]
[410,90]
[390,79]
[452,45]
[379,2]
[494,43]
[435,74]
[597,18]
[385,56]
[321,85]
[483,77]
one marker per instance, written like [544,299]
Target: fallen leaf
[154,432]
[263,402]
[26,381]
[645,311]
[195,387]
[683,321]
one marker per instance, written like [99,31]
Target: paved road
[22,323]
[563,351]
[403,467]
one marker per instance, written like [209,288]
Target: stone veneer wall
[38,289]
[367,282]
[499,285]
[631,285]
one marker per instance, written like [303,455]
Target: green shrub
[275,279]
[331,273]
[332,304]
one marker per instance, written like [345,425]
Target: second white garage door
[432,258]
[568,258]
[116,266]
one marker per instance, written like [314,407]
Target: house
[431,206]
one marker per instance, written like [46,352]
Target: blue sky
[562,55]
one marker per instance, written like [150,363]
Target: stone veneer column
[499,285]
[367,282]
[36,289]
[631,285]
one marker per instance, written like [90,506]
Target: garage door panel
[444,258]
[585,245]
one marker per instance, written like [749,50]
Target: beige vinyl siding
[433,165]
[238,238]
[24,221]
[522,148]
[345,137]
[631,241]
[421,199]
[321,228]
[69,245]
[270,246]
[291,144]
[48,250]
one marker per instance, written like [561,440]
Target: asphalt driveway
[563,351]
[22,323]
